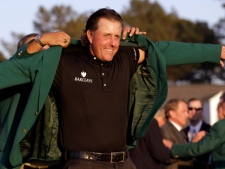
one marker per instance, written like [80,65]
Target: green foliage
[60,18]
[157,24]
[220,27]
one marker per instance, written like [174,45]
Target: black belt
[112,157]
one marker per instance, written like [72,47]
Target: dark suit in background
[150,152]
[170,132]
[200,162]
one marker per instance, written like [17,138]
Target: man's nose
[113,41]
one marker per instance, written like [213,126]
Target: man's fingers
[131,31]
[221,63]
[142,33]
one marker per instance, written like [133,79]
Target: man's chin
[108,59]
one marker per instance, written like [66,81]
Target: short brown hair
[24,39]
[172,105]
[92,22]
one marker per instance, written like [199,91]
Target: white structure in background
[211,105]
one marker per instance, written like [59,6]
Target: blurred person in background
[196,124]
[176,112]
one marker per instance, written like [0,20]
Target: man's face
[105,41]
[180,116]
[195,110]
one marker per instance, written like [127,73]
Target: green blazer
[213,142]
[148,88]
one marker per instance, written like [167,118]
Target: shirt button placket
[104,79]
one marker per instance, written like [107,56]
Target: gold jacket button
[24,130]
[36,113]
[20,53]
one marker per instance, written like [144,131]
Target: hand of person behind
[56,38]
[199,136]
[167,143]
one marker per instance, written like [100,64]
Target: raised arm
[132,31]
[50,39]
[177,53]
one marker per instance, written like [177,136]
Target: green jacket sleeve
[212,142]
[39,69]
[17,70]
[177,53]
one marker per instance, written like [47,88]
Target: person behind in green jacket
[34,143]
[93,82]
[32,139]
[213,141]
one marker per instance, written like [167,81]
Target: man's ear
[89,36]
[172,113]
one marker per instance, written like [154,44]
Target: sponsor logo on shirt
[82,78]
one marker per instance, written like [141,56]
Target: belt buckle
[115,153]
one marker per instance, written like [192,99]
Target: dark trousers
[92,164]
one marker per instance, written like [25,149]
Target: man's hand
[221,62]
[199,136]
[167,143]
[50,39]
[56,39]
[131,30]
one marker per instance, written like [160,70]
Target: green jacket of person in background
[214,142]
[148,88]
